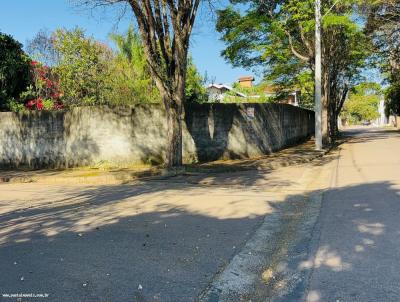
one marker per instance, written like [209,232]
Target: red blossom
[30,104]
[39,104]
[49,83]
[35,104]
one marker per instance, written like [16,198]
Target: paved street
[357,242]
[169,239]
[158,240]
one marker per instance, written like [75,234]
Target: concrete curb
[126,177]
[275,264]
[123,177]
[266,268]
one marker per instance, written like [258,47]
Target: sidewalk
[299,154]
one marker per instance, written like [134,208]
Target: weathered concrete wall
[123,135]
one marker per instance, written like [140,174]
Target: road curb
[268,263]
[124,177]
[275,264]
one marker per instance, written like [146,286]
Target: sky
[24,18]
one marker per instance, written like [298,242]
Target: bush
[83,67]
[195,90]
[15,106]
[44,92]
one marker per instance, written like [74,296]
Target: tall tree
[165,27]
[383,26]
[131,81]
[14,70]
[279,35]
[363,103]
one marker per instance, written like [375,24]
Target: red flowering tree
[44,93]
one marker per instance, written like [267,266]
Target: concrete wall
[124,135]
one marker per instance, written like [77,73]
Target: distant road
[357,243]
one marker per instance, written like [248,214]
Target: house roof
[246,78]
[226,87]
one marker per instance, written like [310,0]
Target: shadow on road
[167,237]
[362,237]
[364,135]
[166,240]
[113,243]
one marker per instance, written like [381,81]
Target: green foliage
[83,67]
[194,90]
[392,95]
[254,94]
[249,91]
[279,37]
[130,80]
[86,72]
[14,71]
[15,106]
[29,93]
[248,100]
[305,82]
[130,48]
[363,103]
[48,104]
[383,26]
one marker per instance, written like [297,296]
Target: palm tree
[130,48]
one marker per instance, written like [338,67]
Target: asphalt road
[356,246]
[169,240]
[146,241]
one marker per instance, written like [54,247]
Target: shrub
[44,92]
[83,67]
[15,106]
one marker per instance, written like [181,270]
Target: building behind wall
[246,90]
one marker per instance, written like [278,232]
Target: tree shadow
[238,131]
[172,237]
[36,140]
[101,243]
[354,244]
[209,126]
[359,136]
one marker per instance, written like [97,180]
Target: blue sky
[24,18]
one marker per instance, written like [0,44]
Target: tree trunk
[325,113]
[333,117]
[174,111]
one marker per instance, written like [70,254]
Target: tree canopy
[14,70]
[383,26]
[41,48]
[83,67]
[363,103]
[278,36]
[131,78]
[165,28]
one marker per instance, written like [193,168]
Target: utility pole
[318,77]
